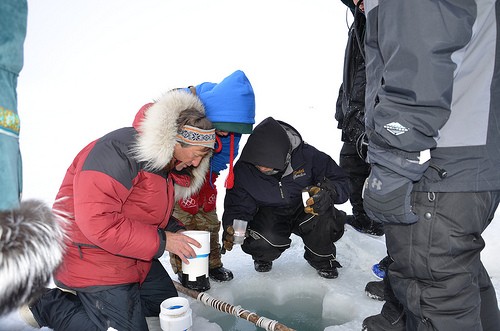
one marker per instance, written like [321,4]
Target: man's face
[189,156]
[266,170]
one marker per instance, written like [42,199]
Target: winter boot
[380,269]
[201,284]
[262,266]
[364,224]
[391,318]
[329,273]
[375,290]
[220,274]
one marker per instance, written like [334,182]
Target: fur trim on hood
[31,248]
[197,179]
[157,131]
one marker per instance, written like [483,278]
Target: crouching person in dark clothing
[274,168]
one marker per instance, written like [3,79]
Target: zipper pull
[441,172]
[281,190]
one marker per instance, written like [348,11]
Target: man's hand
[179,244]
[387,196]
[227,239]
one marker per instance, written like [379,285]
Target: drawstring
[230,177]
[218,144]
[212,185]
[218,148]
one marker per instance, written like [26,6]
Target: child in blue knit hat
[230,105]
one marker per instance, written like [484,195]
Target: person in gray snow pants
[442,252]
[433,125]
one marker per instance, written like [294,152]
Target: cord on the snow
[206,299]
[260,321]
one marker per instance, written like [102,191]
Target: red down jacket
[116,206]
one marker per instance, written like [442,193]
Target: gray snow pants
[437,273]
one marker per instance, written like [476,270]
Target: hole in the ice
[305,307]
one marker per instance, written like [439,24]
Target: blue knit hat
[229,105]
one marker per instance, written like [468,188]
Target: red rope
[218,145]
[230,177]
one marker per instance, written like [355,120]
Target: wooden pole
[230,309]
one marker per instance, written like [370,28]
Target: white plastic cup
[240,229]
[198,266]
[175,314]
[305,197]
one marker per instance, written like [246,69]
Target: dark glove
[208,192]
[386,196]
[227,239]
[321,198]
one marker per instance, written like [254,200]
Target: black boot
[391,318]
[262,266]
[330,273]
[201,283]
[220,274]
[380,269]
[375,290]
[364,224]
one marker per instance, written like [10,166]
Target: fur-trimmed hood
[31,248]
[156,124]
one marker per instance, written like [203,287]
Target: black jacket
[350,112]
[307,166]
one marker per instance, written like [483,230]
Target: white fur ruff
[157,138]
[31,247]
[158,130]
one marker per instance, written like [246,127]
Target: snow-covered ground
[90,65]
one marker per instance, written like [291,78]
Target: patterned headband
[191,135]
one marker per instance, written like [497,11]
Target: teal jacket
[13,19]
